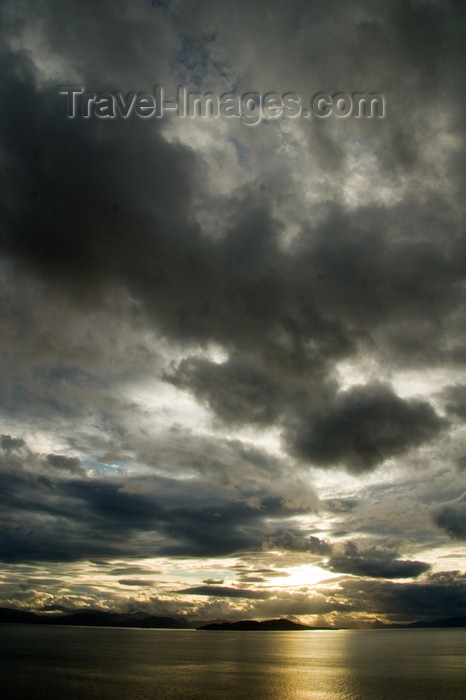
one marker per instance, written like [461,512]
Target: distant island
[100,618]
[94,618]
[447,622]
[271,625]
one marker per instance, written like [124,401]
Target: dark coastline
[272,625]
[97,618]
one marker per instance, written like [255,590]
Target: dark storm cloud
[377,566]
[366,561]
[124,214]
[461,464]
[225,592]
[132,569]
[456,400]
[295,542]
[344,269]
[8,443]
[213,459]
[259,575]
[339,505]
[451,517]
[238,390]
[252,579]
[82,210]
[437,596]
[360,428]
[377,281]
[241,470]
[394,514]
[71,464]
[19,461]
[120,524]
[365,426]
[288,603]
[126,52]
[291,247]
[124,515]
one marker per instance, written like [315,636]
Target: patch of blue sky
[171,5]
[195,64]
[101,467]
[242,153]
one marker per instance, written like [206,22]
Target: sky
[232,358]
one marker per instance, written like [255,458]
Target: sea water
[39,662]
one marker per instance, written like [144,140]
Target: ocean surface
[38,662]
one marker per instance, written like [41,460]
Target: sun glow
[304,575]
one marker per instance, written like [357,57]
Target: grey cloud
[255,574]
[225,592]
[456,400]
[365,426]
[366,561]
[437,596]
[236,390]
[234,465]
[461,464]
[71,464]
[62,28]
[131,570]
[398,513]
[221,460]
[291,247]
[451,517]
[252,579]
[239,281]
[54,233]
[132,516]
[249,294]
[301,603]
[8,443]
[360,428]
[339,505]
[296,542]
[377,567]
[18,460]
[255,285]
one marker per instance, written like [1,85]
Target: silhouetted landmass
[99,618]
[11,615]
[93,618]
[277,625]
[447,622]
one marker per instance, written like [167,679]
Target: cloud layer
[233,356]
